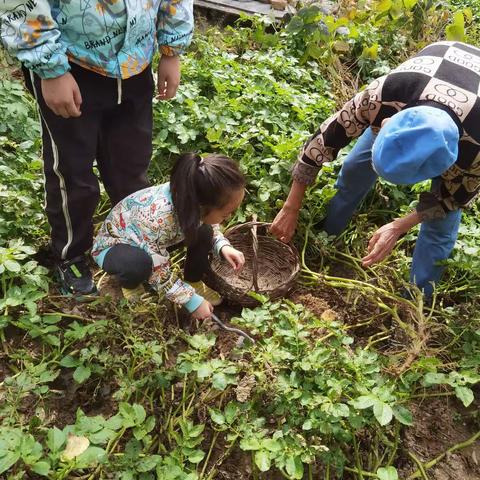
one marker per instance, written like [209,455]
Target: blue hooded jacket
[115,38]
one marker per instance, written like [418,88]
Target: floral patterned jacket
[146,219]
[115,38]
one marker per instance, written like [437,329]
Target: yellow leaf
[409,4]
[370,52]
[384,6]
[467,12]
[75,447]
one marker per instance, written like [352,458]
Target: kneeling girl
[132,243]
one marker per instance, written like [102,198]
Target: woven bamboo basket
[271,267]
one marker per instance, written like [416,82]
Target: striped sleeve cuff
[219,244]
[193,303]
[304,173]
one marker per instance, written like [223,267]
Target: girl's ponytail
[184,193]
[199,185]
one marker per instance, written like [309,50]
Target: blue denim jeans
[436,239]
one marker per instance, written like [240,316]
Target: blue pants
[436,238]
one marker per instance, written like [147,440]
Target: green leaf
[31,450]
[219,381]
[403,415]
[91,457]
[128,475]
[13,266]
[139,412]
[115,422]
[55,439]
[387,473]
[81,373]
[69,361]
[271,444]
[383,412]
[263,195]
[126,411]
[102,436]
[465,394]
[231,412]
[196,456]
[339,410]
[148,463]
[8,460]
[294,467]
[201,342]
[150,424]
[262,460]
[204,371]
[251,443]
[216,416]
[196,431]
[314,51]
[307,425]
[41,468]
[363,402]
[434,379]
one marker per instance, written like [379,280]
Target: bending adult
[88,66]
[419,122]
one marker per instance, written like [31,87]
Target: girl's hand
[234,257]
[382,243]
[203,312]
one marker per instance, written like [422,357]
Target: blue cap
[416,144]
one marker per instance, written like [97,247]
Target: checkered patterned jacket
[445,75]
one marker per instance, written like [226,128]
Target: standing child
[88,66]
[132,242]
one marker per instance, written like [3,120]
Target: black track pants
[115,130]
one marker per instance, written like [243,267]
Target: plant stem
[362,472]
[210,450]
[358,462]
[420,466]
[453,448]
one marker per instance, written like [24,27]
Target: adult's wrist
[404,224]
[399,225]
[291,207]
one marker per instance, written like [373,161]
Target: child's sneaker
[133,294]
[207,293]
[75,277]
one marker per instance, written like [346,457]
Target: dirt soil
[439,423]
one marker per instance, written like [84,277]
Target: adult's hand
[384,239]
[62,95]
[168,76]
[285,223]
[381,244]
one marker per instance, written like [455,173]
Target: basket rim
[285,283]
